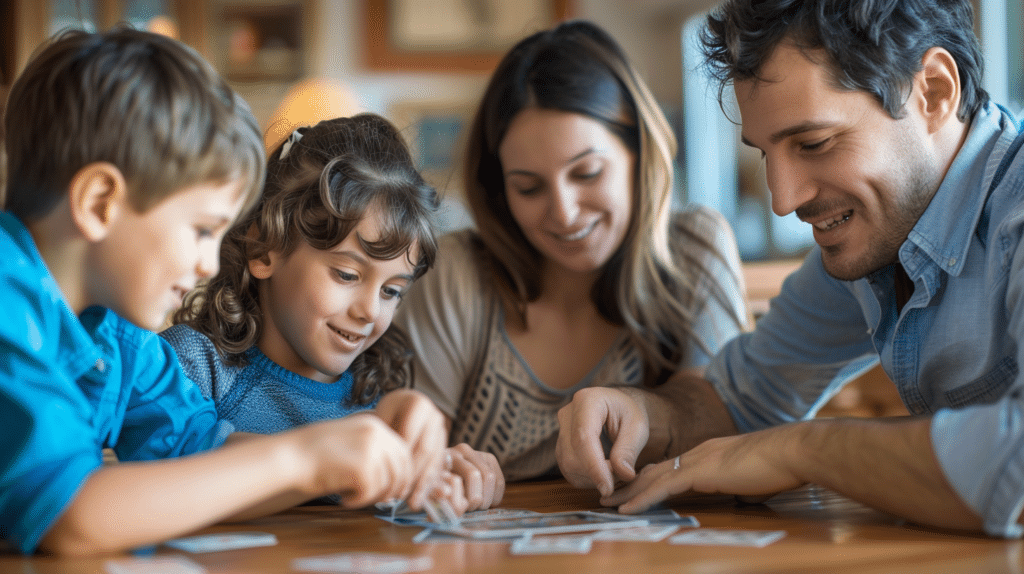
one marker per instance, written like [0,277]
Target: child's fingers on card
[484,482]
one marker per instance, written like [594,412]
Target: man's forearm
[885,463]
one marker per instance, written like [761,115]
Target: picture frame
[435,131]
[451,35]
[261,42]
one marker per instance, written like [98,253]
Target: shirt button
[952,260]
[101,366]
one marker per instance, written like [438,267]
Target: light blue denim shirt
[953,352]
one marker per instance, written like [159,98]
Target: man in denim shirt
[874,129]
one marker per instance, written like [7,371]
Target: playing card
[441,512]
[652,533]
[669,516]
[153,565]
[551,545]
[720,537]
[363,563]
[513,526]
[422,519]
[661,516]
[497,512]
[226,541]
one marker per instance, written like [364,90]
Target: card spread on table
[552,544]
[225,541]
[506,526]
[661,516]
[153,565]
[364,563]
[423,519]
[652,533]
[722,537]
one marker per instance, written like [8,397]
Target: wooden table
[826,533]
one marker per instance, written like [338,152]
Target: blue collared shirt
[953,351]
[71,386]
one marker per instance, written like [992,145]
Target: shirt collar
[943,233]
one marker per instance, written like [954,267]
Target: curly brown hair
[318,193]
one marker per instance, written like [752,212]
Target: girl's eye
[204,232]
[391,292]
[345,276]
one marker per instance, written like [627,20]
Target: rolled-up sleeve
[813,340]
[981,448]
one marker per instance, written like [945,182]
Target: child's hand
[448,486]
[359,457]
[415,418]
[481,476]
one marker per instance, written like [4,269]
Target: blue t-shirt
[259,396]
[72,386]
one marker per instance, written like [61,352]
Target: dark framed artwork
[451,35]
[261,42]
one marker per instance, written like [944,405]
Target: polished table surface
[826,533]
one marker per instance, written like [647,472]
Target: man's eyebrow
[791,131]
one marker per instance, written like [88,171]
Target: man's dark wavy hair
[874,46]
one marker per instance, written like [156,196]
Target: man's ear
[97,194]
[939,84]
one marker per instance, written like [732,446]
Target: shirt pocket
[988,388]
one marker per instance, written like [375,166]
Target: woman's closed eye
[588,175]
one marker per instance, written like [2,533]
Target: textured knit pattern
[465,362]
[260,396]
[511,413]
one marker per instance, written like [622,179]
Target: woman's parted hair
[577,67]
[317,193]
[874,46]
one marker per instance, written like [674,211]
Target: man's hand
[750,465]
[885,463]
[579,451]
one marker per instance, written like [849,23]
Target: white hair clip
[292,139]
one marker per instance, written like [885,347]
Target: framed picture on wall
[451,35]
[261,42]
[436,133]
